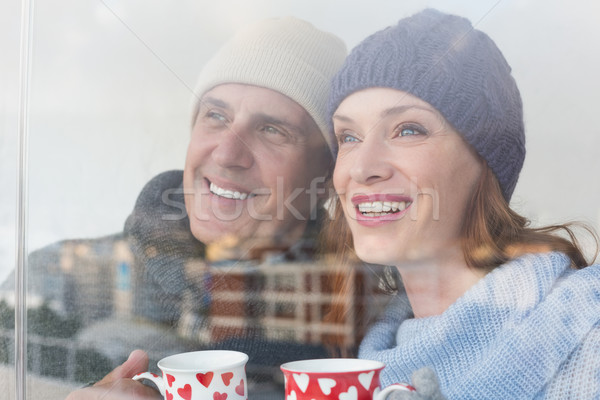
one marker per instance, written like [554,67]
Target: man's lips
[227,193]
[232,191]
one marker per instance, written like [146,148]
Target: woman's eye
[346,138]
[410,130]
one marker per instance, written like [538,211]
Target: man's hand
[118,383]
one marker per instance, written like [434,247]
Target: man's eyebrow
[214,102]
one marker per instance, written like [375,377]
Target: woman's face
[403,174]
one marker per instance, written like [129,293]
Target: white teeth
[378,208]
[229,194]
[387,206]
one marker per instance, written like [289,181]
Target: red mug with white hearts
[201,375]
[336,379]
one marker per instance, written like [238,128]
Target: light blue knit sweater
[529,330]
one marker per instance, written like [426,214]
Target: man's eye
[275,135]
[216,116]
[272,130]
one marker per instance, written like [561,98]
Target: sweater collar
[534,310]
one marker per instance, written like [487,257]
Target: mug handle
[396,387]
[157,380]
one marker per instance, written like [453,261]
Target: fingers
[118,385]
[136,363]
[121,389]
[404,396]
[427,384]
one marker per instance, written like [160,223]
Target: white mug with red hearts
[336,379]
[201,375]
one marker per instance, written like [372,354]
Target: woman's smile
[403,175]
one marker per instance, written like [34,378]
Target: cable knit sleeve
[381,337]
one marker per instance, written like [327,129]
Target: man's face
[253,164]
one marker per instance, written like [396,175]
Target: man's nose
[233,149]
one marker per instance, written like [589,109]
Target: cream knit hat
[287,55]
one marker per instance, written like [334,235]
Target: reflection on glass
[110,112]
[98,302]
[223,254]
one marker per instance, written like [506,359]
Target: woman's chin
[393,257]
[376,256]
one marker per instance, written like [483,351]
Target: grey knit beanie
[457,69]
[287,55]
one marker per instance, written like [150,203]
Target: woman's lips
[377,209]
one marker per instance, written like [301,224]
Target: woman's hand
[427,385]
[118,383]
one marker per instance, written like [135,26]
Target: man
[257,159]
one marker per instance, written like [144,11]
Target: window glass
[110,110]
[9,92]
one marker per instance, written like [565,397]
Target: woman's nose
[370,163]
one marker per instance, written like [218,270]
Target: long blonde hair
[493,233]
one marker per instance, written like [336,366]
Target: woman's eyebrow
[342,118]
[385,113]
[402,109]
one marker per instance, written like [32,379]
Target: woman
[431,141]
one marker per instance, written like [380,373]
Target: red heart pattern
[185,392]
[170,380]
[227,376]
[219,396]
[205,379]
[361,385]
[239,389]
